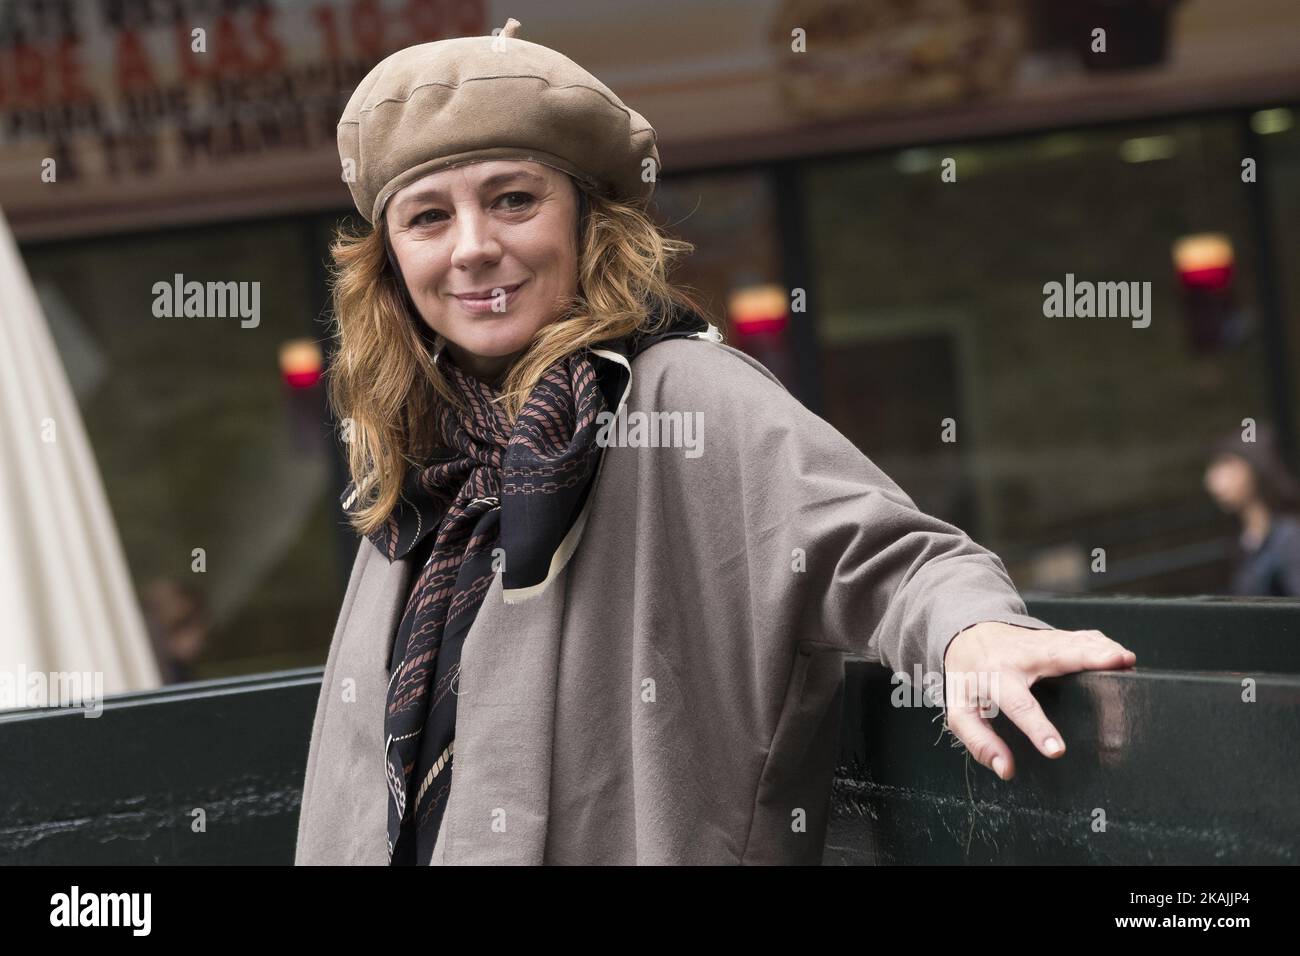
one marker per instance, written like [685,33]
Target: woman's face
[1230,481]
[489,254]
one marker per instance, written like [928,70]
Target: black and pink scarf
[496,490]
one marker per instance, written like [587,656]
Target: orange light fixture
[1204,261]
[300,362]
[759,308]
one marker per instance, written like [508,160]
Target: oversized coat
[669,696]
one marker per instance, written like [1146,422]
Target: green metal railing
[1165,764]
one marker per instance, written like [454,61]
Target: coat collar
[416,515]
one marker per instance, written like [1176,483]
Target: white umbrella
[68,613]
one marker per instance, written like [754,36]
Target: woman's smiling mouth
[487,300]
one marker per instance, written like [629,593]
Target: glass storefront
[219,473]
[1072,433]
[925,322]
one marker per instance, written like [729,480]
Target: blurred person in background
[178,627]
[1249,479]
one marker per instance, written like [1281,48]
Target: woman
[1249,479]
[569,635]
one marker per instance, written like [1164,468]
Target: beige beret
[451,102]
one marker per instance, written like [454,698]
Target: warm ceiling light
[1270,121]
[1145,149]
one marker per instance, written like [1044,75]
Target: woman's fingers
[1014,699]
[985,746]
[1080,651]
[1101,640]
[1015,661]
[1021,707]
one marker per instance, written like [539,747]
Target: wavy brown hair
[383,383]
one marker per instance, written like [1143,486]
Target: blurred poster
[115,112]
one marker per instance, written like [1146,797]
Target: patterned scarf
[497,489]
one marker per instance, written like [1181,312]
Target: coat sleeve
[836,553]
[313,839]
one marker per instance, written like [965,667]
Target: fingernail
[999,766]
[1052,745]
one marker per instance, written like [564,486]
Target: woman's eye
[523,200]
[512,202]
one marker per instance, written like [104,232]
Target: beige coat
[668,698]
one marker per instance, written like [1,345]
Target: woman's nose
[475,242]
